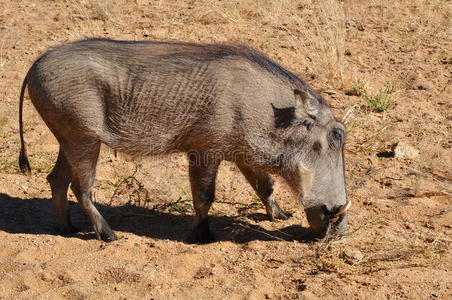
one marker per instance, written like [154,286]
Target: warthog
[214,102]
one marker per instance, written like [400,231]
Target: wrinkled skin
[213,102]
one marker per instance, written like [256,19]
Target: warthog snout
[319,217]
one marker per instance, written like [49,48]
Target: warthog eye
[338,134]
[336,138]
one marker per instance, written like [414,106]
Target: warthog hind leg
[83,159]
[59,180]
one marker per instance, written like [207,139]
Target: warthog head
[313,160]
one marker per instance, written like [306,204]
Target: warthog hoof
[107,235]
[275,212]
[279,215]
[201,233]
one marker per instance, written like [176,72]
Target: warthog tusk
[343,208]
[340,211]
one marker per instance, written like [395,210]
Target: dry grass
[3,59]
[103,9]
[316,38]
[82,21]
[430,18]
[323,39]
[352,119]
[129,191]
[431,172]
[383,252]
[41,162]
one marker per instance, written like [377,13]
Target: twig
[263,232]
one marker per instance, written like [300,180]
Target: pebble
[47,277]
[421,85]
[402,150]
[352,256]
[306,295]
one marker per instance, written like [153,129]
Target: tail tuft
[24,164]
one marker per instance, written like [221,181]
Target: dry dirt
[401,218]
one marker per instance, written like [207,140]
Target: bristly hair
[215,51]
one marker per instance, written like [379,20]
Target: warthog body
[214,102]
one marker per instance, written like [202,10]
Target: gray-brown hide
[214,102]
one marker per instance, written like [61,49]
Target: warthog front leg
[83,161]
[59,180]
[263,185]
[202,174]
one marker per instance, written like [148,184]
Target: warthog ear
[304,112]
[283,116]
[306,106]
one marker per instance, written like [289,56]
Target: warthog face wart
[213,102]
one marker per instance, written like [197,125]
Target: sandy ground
[401,218]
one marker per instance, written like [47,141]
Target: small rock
[306,295]
[351,92]
[352,256]
[402,150]
[159,33]
[330,92]
[66,278]
[47,277]
[211,17]
[421,85]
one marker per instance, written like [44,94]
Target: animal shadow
[36,216]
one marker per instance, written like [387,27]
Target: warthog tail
[24,164]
